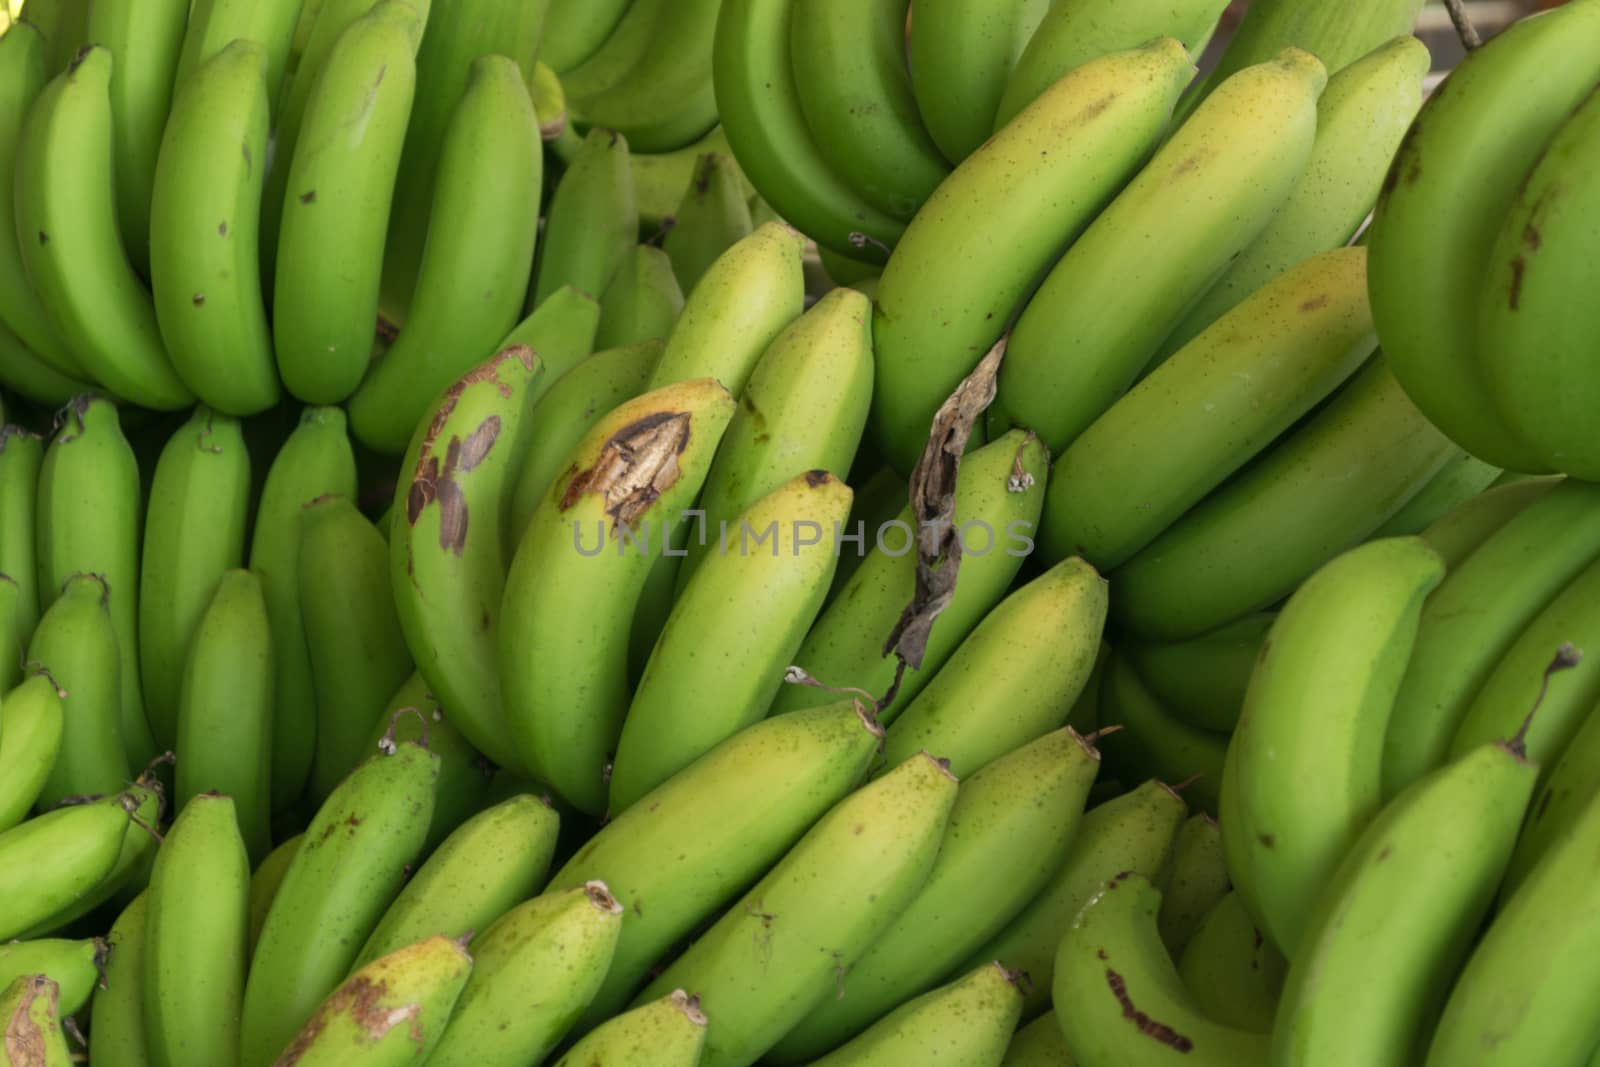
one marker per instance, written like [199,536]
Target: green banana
[76,644]
[1011,828]
[1039,1044]
[639,467]
[700,838]
[620,53]
[73,965]
[1122,999]
[215,24]
[341,880]
[574,29]
[642,303]
[777,953]
[1198,881]
[995,512]
[30,1012]
[88,523]
[593,220]
[30,377]
[1202,680]
[849,62]
[475,266]
[265,882]
[116,1014]
[1104,309]
[32,723]
[72,249]
[1133,832]
[712,217]
[50,863]
[488,865]
[1462,478]
[572,405]
[205,214]
[962,54]
[880,494]
[1459,532]
[1434,231]
[1220,401]
[665,100]
[669,1032]
[945,299]
[537,967]
[659,179]
[1013,679]
[1379,950]
[1519,569]
[197,936]
[1361,118]
[1327,486]
[194,531]
[63,23]
[143,804]
[391,1012]
[1075,32]
[358,649]
[13,643]
[758,100]
[21,454]
[1232,971]
[317,459]
[332,206]
[710,675]
[967,1023]
[844,271]
[562,331]
[223,730]
[1152,742]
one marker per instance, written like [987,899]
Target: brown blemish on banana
[1095,108]
[818,479]
[1316,303]
[635,466]
[689,1006]
[1519,266]
[1147,1026]
[362,1000]
[24,1039]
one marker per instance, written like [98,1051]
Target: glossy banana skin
[31,727]
[669,1032]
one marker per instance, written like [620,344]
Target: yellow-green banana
[21,455]
[1197,881]
[32,722]
[1232,971]
[562,332]
[215,24]
[574,29]
[30,1013]
[116,1015]
[712,217]
[265,882]
[665,100]
[967,1023]
[1459,532]
[50,863]
[73,965]
[76,645]
[1461,479]
[659,179]
[1202,680]
[962,54]
[1154,743]
[642,303]
[26,375]
[669,1032]
[1039,1044]
[593,220]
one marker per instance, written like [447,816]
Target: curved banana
[550,952]
[27,375]
[593,220]
[714,671]
[712,217]
[1155,743]
[562,331]
[317,459]
[1197,882]
[1460,480]
[224,709]
[1122,1000]
[1336,478]
[479,253]
[265,882]
[574,29]
[32,723]
[342,878]
[141,805]
[333,207]
[1435,226]
[21,455]
[967,1023]
[962,54]
[1218,402]
[215,24]
[945,298]
[1459,532]
[1105,308]
[116,1014]
[1202,680]
[1518,570]
[660,178]
[759,104]
[1015,676]
[194,530]
[642,303]
[669,1032]
[1039,1044]
[998,493]
[666,99]
[1232,971]
[565,687]
[13,642]
[777,953]
[620,52]
[51,862]
[1133,832]
[705,834]
[1011,828]
[66,226]
[30,1013]
[73,965]
[197,936]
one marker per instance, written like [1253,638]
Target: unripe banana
[1135,832]
[342,878]
[1231,970]
[1462,478]
[945,297]
[998,493]
[1121,999]
[690,847]
[659,179]
[962,54]
[710,675]
[777,954]
[1013,679]
[390,1013]
[197,933]
[448,550]
[358,650]
[562,331]
[1105,308]
[53,861]
[88,523]
[76,646]
[265,882]
[537,968]
[315,460]
[664,99]
[26,375]
[1518,570]
[1011,828]
[205,220]
[144,803]
[73,965]
[712,217]
[194,531]
[593,220]
[642,303]
[21,454]
[488,865]
[669,1032]
[1459,532]
[574,29]
[116,1015]
[216,24]
[31,728]
[13,643]
[1197,882]
[967,1023]
[30,1013]
[1202,680]
[565,688]
[331,209]
[224,720]
[1154,743]
[66,226]
[1039,1044]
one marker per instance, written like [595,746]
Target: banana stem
[1566,657]
[1470,40]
